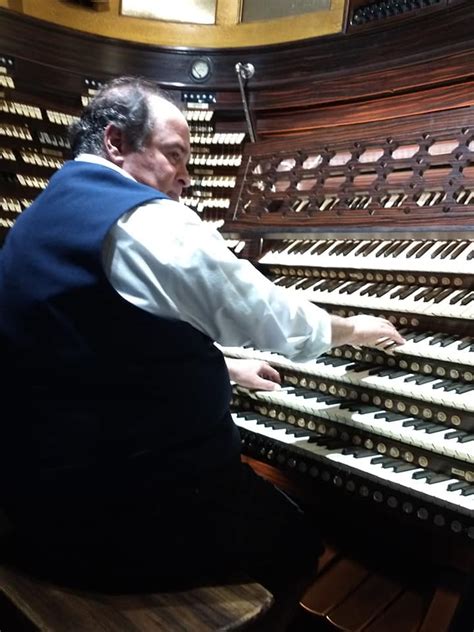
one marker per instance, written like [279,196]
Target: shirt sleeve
[162,258]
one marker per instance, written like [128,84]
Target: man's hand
[255,374]
[370,331]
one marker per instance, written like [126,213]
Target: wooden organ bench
[28,604]
[32,604]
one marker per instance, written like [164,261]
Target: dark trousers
[231,522]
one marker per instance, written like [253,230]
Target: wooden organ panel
[379,219]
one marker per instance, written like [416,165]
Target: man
[125,456]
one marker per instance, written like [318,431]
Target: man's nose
[184,178]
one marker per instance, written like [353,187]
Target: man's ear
[114,144]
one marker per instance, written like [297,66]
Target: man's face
[162,162]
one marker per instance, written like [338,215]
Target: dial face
[200,69]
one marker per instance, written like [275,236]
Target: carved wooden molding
[415,171]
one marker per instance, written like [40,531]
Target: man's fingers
[270,373]
[267,385]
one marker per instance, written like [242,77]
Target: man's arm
[163,259]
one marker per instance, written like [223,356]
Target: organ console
[372,218]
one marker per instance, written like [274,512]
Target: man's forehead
[165,109]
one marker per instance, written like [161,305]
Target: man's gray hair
[125,103]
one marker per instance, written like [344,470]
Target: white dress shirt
[162,258]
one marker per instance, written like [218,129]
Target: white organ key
[434,256]
[438,490]
[403,386]
[280,435]
[398,428]
[286,436]
[350,372]
[289,397]
[354,459]
[332,293]
[439,347]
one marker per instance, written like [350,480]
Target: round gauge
[200,69]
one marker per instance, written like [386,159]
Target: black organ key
[370,289]
[403,246]
[362,249]
[287,281]
[396,373]
[389,463]
[422,335]
[436,477]
[350,247]
[323,247]
[383,249]
[390,416]
[460,248]
[451,387]
[371,248]
[425,425]
[468,299]
[436,338]
[430,295]
[425,379]
[454,487]
[413,423]
[378,459]
[439,250]
[465,388]
[424,292]
[444,384]
[409,335]
[279,246]
[304,246]
[393,247]
[336,249]
[384,289]
[404,292]
[309,247]
[447,251]
[297,433]
[435,428]
[421,251]
[414,249]
[404,467]
[276,425]
[307,283]
[443,294]
[455,434]
[448,340]
[459,297]
[420,379]
[357,285]
[363,409]
[360,453]
[293,248]
[466,439]
[420,475]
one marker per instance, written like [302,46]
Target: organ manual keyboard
[374,219]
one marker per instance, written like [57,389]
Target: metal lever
[244,73]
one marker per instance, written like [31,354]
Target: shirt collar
[98,160]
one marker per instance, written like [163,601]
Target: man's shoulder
[100,175]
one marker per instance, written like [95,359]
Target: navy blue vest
[114,398]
